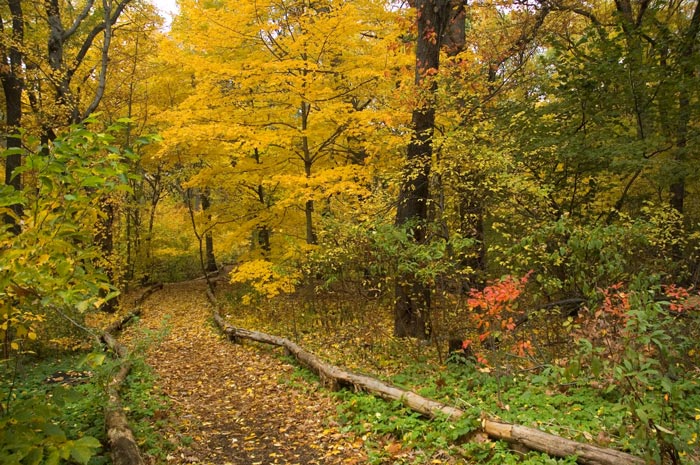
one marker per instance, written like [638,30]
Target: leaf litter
[235,404]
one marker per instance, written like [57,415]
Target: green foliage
[375,253]
[147,407]
[541,401]
[572,258]
[395,424]
[51,274]
[51,423]
[644,352]
[55,263]
[32,437]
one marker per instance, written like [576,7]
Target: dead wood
[120,324]
[336,378]
[147,293]
[124,449]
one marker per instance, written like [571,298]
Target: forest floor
[234,404]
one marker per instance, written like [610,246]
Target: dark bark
[263,238]
[455,35]
[308,165]
[412,297]
[12,83]
[64,70]
[208,238]
[688,47]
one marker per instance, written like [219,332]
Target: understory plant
[55,267]
[640,346]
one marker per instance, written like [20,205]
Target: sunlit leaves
[285,106]
[52,268]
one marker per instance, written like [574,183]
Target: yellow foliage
[276,109]
[266,278]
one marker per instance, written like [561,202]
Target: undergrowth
[53,420]
[624,374]
[57,409]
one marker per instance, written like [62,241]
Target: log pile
[336,378]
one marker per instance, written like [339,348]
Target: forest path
[234,404]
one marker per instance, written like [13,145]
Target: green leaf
[642,415]
[92,181]
[54,431]
[84,448]
[34,456]
[93,359]
[53,458]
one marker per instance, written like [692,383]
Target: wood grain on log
[121,439]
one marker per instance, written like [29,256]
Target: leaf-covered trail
[235,404]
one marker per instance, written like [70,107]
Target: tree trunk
[685,57]
[412,297]
[64,70]
[208,237]
[11,77]
[308,165]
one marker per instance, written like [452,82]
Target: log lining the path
[124,450]
[336,378]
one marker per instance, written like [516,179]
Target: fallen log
[124,450]
[336,378]
[119,324]
[147,293]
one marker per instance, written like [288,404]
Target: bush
[642,347]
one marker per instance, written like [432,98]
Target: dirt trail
[236,404]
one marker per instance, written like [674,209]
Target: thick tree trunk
[11,77]
[412,297]
[308,166]
[208,237]
[688,48]
[336,378]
